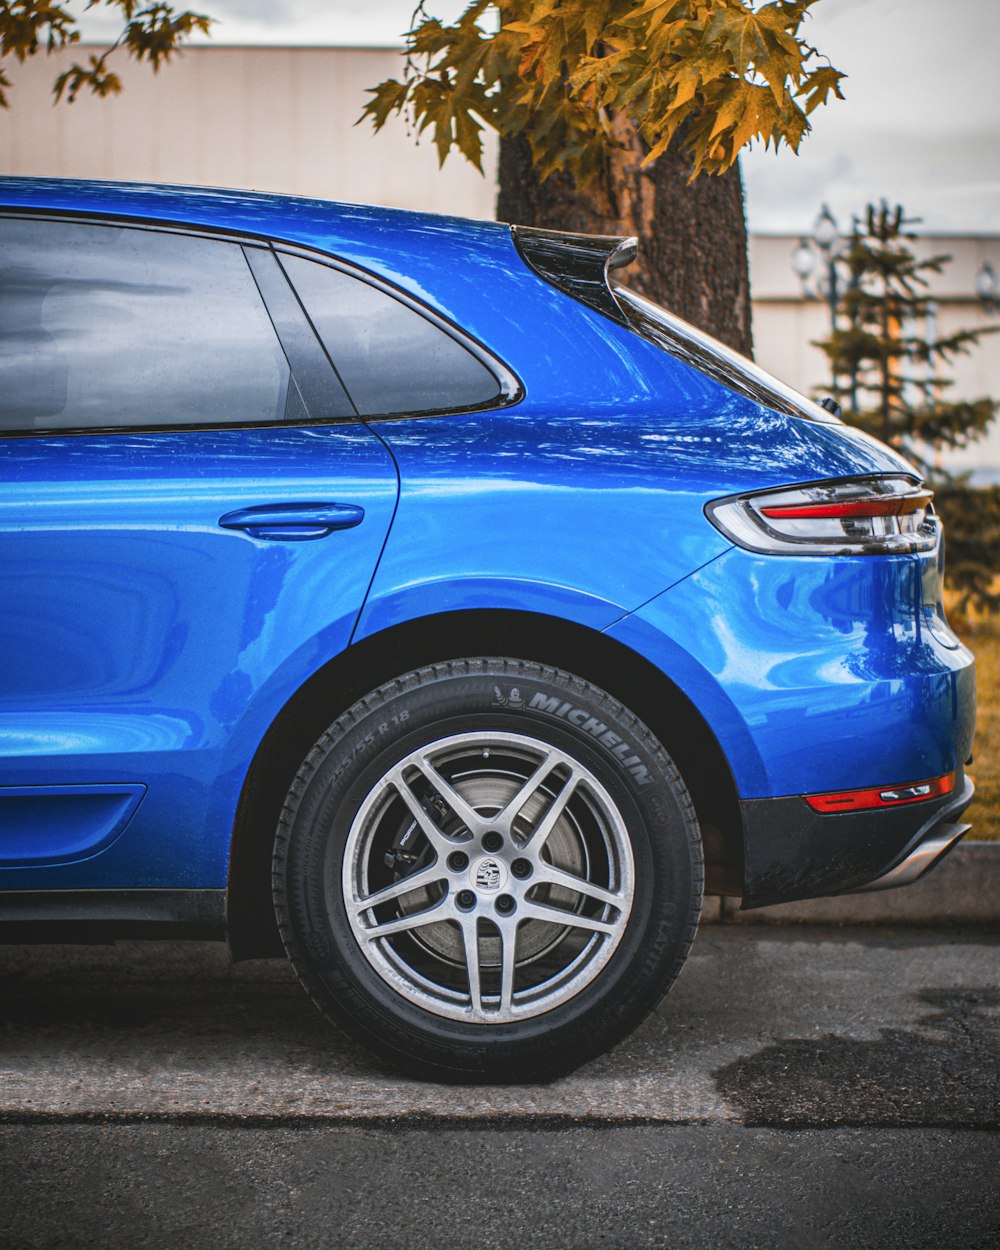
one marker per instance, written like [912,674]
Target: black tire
[514,980]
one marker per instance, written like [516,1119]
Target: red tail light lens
[858,516]
[882,796]
[901,505]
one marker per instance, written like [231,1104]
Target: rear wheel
[487,870]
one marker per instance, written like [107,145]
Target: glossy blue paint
[584,517]
[293,522]
[61,824]
[146,644]
[815,674]
[165,594]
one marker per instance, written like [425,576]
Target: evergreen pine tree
[889,373]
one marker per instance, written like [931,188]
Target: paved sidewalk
[786,1027]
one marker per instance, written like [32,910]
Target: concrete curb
[963,890]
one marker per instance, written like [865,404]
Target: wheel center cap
[489,875]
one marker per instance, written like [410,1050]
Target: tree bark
[692,236]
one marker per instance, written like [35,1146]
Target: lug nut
[521,868]
[465,899]
[492,841]
[505,904]
[457,861]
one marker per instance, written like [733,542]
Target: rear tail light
[881,796]
[859,516]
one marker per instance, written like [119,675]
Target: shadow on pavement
[943,1073]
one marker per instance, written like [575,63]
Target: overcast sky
[920,124]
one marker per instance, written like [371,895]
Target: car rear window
[104,326]
[391,358]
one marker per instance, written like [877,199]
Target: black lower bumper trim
[792,852]
[110,915]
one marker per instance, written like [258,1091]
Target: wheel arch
[622,672]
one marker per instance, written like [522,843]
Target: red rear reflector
[889,505]
[882,796]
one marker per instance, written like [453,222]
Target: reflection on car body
[406,594]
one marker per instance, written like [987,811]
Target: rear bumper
[792,852]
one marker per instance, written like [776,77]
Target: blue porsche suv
[410,595]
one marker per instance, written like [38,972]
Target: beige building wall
[268,119]
[282,119]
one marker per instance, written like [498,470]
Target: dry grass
[984,639]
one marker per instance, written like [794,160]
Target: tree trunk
[692,237]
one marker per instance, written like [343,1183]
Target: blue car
[410,595]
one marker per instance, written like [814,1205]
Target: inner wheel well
[638,684]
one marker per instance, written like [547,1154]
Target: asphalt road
[799,1088]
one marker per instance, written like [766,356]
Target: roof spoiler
[578,264]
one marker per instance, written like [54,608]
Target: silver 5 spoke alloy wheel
[488,877]
[487,869]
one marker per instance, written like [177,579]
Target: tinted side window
[104,326]
[390,358]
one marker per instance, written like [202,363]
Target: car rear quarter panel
[584,508]
[813,673]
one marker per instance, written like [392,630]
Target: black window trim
[511,390]
[309,365]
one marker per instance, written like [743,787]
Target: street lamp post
[824,247]
[988,287]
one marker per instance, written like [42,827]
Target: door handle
[293,522]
